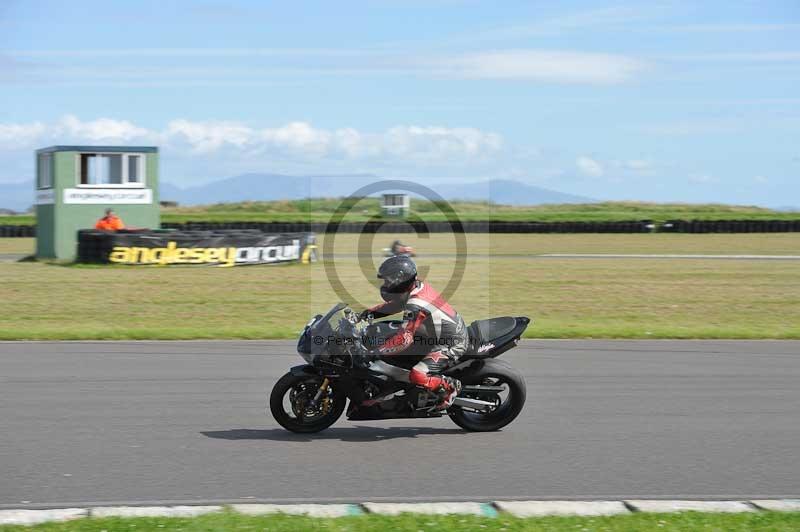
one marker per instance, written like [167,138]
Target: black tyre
[509,404]
[290,396]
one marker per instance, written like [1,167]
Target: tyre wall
[643,226]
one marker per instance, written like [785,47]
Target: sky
[656,101]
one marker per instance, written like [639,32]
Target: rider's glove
[364,314]
[363,355]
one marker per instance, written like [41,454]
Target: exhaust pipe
[476,388]
[474,404]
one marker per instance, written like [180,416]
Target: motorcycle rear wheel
[300,388]
[495,373]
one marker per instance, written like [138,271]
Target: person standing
[109,222]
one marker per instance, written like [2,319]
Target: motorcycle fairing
[394,372]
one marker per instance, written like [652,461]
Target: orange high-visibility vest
[109,223]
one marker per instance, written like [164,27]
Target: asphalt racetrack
[139,422]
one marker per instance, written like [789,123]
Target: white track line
[311,510]
[153,511]
[785,505]
[693,506]
[34,517]
[516,508]
[434,508]
[542,508]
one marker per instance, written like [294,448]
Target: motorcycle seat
[486,331]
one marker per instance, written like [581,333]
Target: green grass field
[681,522]
[321,210]
[578,298]
[17,245]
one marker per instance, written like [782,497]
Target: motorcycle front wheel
[508,404]
[290,403]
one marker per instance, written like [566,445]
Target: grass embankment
[321,210]
[506,244]
[17,219]
[578,298]
[687,521]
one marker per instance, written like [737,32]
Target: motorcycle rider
[398,248]
[427,319]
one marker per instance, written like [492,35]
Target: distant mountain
[16,196]
[268,187]
[505,192]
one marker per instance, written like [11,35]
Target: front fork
[323,390]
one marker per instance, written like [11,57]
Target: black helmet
[398,273]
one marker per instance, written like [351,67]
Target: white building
[396,204]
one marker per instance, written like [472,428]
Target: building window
[134,168]
[394,200]
[44,171]
[111,169]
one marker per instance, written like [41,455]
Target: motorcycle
[339,369]
[398,248]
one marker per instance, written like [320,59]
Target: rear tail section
[493,337]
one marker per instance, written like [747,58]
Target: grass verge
[579,298]
[17,245]
[686,521]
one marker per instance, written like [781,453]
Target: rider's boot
[446,388]
[449,390]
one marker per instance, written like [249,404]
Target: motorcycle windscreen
[324,328]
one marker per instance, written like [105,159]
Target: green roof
[107,149]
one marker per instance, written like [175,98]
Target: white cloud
[589,167]
[732,28]
[760,179]
[300,137]
[134,66]
[787,56]
[638,165]
[18,136]
[192,52]
[614,18]
[694,127]
[100,130]
[541,65]
[618,170]
[431,142]
[207,137]
[70,128]
[703,179]
[295,140]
